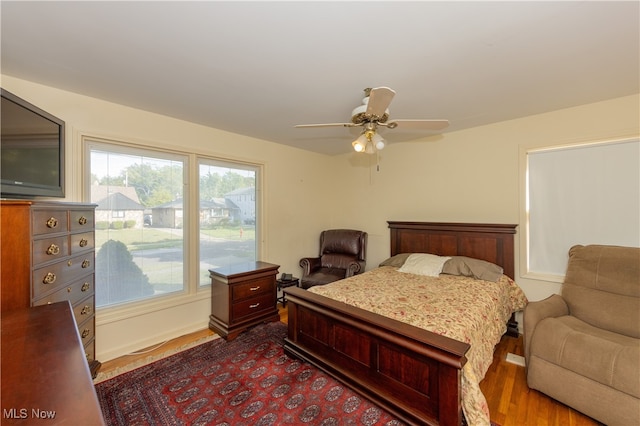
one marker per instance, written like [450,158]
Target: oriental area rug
[248,381]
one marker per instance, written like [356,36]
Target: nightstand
[284,284]
[242,296]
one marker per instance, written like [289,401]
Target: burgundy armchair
[342,255]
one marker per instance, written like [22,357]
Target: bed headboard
[491,242]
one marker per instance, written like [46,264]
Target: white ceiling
[259,68]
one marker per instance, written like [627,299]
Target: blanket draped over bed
[463,308]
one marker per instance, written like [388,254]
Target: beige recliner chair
[583,348]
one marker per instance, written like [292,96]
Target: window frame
[525,251]
[257,169]
[192,291]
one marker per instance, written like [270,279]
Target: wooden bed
[410,372]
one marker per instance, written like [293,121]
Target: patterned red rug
[249,381]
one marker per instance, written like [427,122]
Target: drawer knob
[50,278]
[53,250]
[254,306]
[255,288]
[86,263]
[85,310]
[52,222]
[85,287]
[85,332]
[83,242]
[82,220]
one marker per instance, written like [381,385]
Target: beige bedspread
[462,308]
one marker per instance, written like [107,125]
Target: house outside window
[135,261]
[228,232]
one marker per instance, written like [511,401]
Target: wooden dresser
[45,379]
[47,257]
[242,296]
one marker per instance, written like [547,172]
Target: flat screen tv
[31,150]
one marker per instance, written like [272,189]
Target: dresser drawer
[50,249]
[80,220]
[90,350]
[72,292]
[87,331]
[82,242]
[252,288]
[83,310]
[49,221]
[56,275]
[250,307]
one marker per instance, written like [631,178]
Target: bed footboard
[412,373]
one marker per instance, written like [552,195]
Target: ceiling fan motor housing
[359,114]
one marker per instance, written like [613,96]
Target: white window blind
[588,194]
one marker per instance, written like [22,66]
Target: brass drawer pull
[83,242]
[53,250]
[82,220]
[254,306]
[85,310]
[50,278]
[255,288]
[85,287]
[85,332]
[86,263]
[52,222]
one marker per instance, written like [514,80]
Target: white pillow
[424,264]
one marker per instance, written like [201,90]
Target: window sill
[110,314]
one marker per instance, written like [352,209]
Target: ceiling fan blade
[379,100]
[326,125]
[420,124]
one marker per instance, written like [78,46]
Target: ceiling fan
[374,113]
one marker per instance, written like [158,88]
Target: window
[227,198]
[139,222]
[585,194]
[147,227]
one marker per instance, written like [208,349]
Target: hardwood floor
[510,401]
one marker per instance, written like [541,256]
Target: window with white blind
[582,194]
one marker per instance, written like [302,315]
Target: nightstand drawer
[252,288]
[251,307]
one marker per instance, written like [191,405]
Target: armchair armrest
[355,268]
[552,306]
[309,264]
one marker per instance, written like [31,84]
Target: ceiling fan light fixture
[360,144]
[373,114]
[378,141]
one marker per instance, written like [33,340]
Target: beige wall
[293,216]
[467,176]
[474,175]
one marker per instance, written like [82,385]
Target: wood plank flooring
[511,402]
